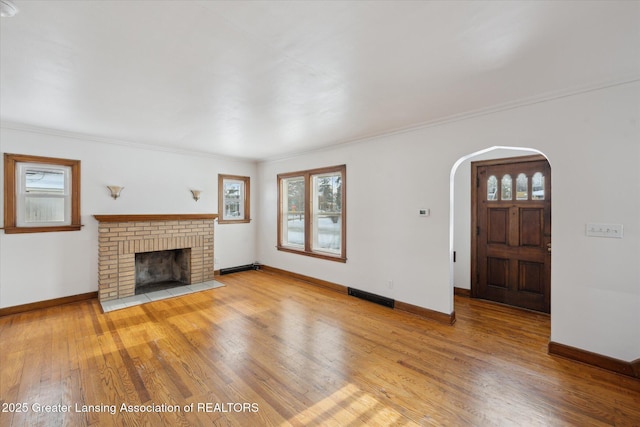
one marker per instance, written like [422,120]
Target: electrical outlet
[604,230]
[390,284]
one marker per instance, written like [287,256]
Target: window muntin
[41,194]
[233,199]
[311,213]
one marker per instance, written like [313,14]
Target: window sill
[24,230]
[336,258]
[233,221]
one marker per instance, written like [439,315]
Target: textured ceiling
[259,80]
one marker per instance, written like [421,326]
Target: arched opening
[460,212]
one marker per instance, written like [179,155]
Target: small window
[506,187]
[233,199]
[42,194]
[492,188]
[311,214]
[522,187]
[537,186]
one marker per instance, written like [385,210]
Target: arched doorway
[461,212]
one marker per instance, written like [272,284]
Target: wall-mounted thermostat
[424,212]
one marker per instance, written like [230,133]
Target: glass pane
[43,195]
[233,199]
[506,187]
[41,180]
[537,186]
[44,209]
[492,188]
[327,212]
[293,210]
[522,187]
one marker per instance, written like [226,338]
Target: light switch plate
[604,230]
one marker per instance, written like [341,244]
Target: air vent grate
[230,270]
[378,299]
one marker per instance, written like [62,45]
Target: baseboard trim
[425,313]
[47,304]
[462,292]
[448,319]
[631,369]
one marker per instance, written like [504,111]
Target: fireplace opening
[160,270]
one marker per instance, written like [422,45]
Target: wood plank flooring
[269,350]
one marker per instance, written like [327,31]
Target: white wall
[41,266]
[592,142]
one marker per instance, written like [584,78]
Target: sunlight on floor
[350,406]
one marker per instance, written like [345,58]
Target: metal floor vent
[378,299]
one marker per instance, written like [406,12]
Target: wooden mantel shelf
[153,217]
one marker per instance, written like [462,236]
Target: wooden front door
[511,232]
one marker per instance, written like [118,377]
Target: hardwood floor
[269,350]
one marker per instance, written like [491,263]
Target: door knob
[549,247]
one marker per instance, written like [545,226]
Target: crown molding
[525,102]
[512,105]
[24,127]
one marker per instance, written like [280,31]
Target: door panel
[498,272]
[497,226]
[511,218]
[531,229]
[531,277]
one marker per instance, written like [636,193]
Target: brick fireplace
[121,237]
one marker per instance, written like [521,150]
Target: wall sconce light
[115,190]
[196,194]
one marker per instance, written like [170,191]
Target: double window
[41,194]
[311,213]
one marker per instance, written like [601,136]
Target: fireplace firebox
[162,270]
